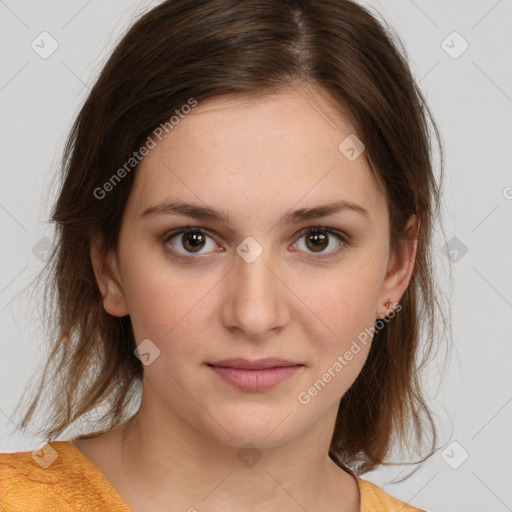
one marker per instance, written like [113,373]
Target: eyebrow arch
[294,217]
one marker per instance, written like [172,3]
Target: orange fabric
[60,478]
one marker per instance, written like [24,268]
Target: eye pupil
[319,241]
[193,241]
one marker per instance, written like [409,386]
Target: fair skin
[256,160]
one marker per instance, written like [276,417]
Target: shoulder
[375,499]
[53,477]
[27,478]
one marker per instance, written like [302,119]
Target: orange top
[60,478]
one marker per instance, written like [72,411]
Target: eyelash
[344,239]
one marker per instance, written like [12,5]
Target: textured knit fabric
[61,478]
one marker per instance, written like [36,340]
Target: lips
[257,375]
[258,364]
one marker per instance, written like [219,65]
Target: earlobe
[401,266]
[108,279]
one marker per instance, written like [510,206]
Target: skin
[181,447]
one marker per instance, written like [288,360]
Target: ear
[400,268]
[106,271]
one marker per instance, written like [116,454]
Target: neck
[177,464]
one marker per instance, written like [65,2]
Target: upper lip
[257,364]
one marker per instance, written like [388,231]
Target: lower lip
[255,380]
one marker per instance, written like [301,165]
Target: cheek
[165,303]
[341,327]
[341,303]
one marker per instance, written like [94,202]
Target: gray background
[470,94]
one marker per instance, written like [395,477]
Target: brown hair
[200,49]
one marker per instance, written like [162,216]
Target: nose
[256,297]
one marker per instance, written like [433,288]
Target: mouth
[256,375]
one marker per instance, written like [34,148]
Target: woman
[244,232]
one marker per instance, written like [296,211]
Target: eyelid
[344,238]
[187,229]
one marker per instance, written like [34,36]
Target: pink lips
[257,375]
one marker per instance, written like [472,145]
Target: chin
[241,430]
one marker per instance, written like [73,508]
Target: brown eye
[321,240]
[193,242]
[317,241]
[190,241]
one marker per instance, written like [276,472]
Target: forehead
[278,148]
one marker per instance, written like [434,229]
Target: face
[255,268]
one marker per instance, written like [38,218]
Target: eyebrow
[207,213]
